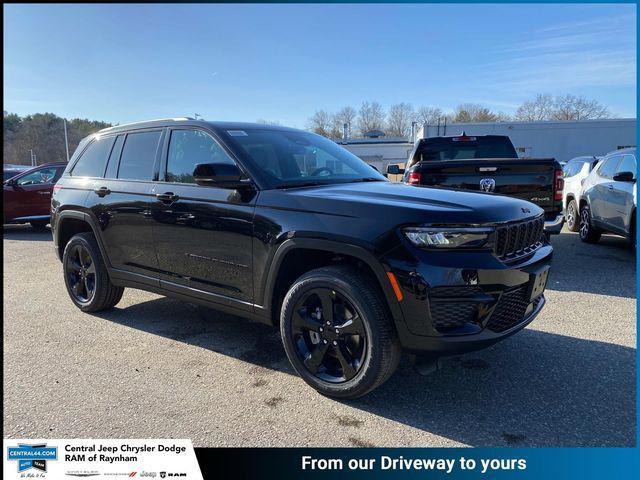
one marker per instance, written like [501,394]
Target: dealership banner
[113,458]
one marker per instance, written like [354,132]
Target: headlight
[444,237]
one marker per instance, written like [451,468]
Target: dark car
[487,163]
[11,170]
[608,202]
[27,196]
[287,228]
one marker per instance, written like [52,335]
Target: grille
[449,310]
[519,238]
[450,315]
[510,309]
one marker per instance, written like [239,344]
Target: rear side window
[628,164]
[608,168]
[187,148]
[572,169]
[139,156]
[94,159]
[112,166]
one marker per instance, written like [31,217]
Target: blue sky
[121,63]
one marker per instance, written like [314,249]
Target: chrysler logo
[487,185]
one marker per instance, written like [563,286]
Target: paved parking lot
[155,367]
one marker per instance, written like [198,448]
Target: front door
[202,233]
[601,193]
[29,195]
[621,198]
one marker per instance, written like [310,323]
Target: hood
[407,204]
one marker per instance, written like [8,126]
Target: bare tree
[571,107]
[399,119]
[473,112]
[346,115]
[540,108]
[429,115]
[370,117]
[320,123]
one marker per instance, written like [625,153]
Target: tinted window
[112,166]
[94,159]
[139,156]
[608,168]
[628,164]
[39,177]
[291,158]
[441,148]
[187,148]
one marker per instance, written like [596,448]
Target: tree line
[397,121]
[44,134]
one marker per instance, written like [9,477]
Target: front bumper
[553,226]
[456,302]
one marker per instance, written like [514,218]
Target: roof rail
[175,119]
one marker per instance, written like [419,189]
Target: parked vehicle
[11,170]
[575,171]
[27,196]
[487,163]
[609,198]
[288,228]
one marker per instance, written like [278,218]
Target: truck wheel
[572,216]
[86,277]
[337,332]
[588,233]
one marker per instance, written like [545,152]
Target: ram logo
[487,185]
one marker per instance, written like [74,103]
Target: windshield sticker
[237,133]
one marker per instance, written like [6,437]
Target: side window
[628,164]
[187,148]
[114,158]
[39,177]
[139,156]
[572,169]
[94,158]
[608,168]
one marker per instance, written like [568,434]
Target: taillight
[558,185]
[414,178]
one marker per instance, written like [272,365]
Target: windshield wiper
[368,179]
[300,184]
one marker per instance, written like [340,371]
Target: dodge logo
[487,185]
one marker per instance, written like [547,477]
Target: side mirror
[394,169]
[223,175]
[623,177]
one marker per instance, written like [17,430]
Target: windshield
[290,158]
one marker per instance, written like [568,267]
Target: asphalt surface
[158,368]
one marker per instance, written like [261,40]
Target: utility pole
[66,139]
[34,162]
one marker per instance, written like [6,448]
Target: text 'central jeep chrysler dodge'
[288,228]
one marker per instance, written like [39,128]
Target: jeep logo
[487,185]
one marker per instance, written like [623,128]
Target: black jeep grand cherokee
[288,228]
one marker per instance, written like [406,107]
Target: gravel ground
[158,368]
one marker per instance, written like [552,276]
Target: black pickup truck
[487,163]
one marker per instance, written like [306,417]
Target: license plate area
[537,284]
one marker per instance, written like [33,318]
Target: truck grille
[519,238]
[510,309]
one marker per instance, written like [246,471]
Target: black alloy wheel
[329,335]
[81,273]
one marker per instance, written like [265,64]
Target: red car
[27,196]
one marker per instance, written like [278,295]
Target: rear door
[203,234]
[122,198]
[600,196]
[622,195]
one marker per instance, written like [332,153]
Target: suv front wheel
[86,277]
[337,333]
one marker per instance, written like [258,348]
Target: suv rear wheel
[86,277]
[572,216]
[337,332]
[588,233]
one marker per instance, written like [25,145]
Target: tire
[588,233]
[82,254]
[362,309]
[572,216]
[39,226]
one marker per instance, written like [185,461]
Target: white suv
[575,171]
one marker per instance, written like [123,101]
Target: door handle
[102,191]
[610,187]
[167,197]
[44,192]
